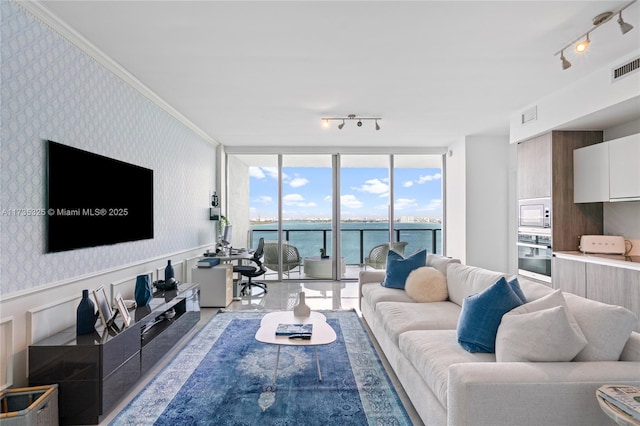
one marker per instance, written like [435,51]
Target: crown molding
[48,18]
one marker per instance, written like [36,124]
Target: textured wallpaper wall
[52,90]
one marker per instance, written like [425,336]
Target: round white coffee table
[317,267]
[322,333]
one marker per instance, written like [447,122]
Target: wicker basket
[36,405]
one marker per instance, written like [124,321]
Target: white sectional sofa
[450,386]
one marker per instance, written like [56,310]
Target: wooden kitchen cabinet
[545,169]
[609,284]
[534,168]
[569,275]
[615,286]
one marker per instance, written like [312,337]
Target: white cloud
[263,199]
[404,203]
[350,201]
[297,200]
[408,184]
[429,178]
[374,186]
[290,199]
[298,182]
[256,172]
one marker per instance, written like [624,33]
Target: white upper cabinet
[591,173]
[624,168]
[609,171]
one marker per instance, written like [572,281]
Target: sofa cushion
[464,280]
[431,352]
[396,318]
[551,300]
[399,267]
[375,293]
[440,262]
[481,314]
[606,327]
[533,290]
[427,284]
[538,336]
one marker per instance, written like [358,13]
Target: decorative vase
[168,271]
[143,293]
[85,315]
[301,309]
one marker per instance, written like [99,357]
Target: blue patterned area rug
[225,377]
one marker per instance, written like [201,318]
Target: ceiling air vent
[625,69]
[529,115]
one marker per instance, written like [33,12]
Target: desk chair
[253,271]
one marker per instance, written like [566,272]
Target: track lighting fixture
[581,43]
[624,27]
[565,64]
[325,121]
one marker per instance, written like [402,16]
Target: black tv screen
[94,200]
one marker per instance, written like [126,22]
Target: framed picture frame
[104,309]
[122,308]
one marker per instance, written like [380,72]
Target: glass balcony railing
[356,241]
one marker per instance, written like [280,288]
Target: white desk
[322,333]
[237,259]
[317,267]
[216,285]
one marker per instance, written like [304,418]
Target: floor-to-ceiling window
[296,202]
[417,204]
[364,206]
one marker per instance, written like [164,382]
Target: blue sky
[365,193]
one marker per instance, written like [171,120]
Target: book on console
[624,397]
[291,329]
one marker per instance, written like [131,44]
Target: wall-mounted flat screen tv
[94,200]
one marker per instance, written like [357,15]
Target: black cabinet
[95,371]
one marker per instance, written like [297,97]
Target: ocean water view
[357,237]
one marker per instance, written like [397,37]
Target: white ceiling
[265,73]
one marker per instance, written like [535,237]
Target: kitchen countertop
[615,260]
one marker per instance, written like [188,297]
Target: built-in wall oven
[534,238]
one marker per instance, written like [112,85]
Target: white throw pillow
[426,284]
[550,300]
[538,336]
[606,327]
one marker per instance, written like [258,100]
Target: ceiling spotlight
[565,64]
[359,123]
[340,126]
[582,46]
[377,125]
[325,122]
[624,27]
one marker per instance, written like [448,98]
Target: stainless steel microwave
[534,214]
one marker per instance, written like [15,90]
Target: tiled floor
[319,295]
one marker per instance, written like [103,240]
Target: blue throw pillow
[515,285]
[399,268]
[481,315]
